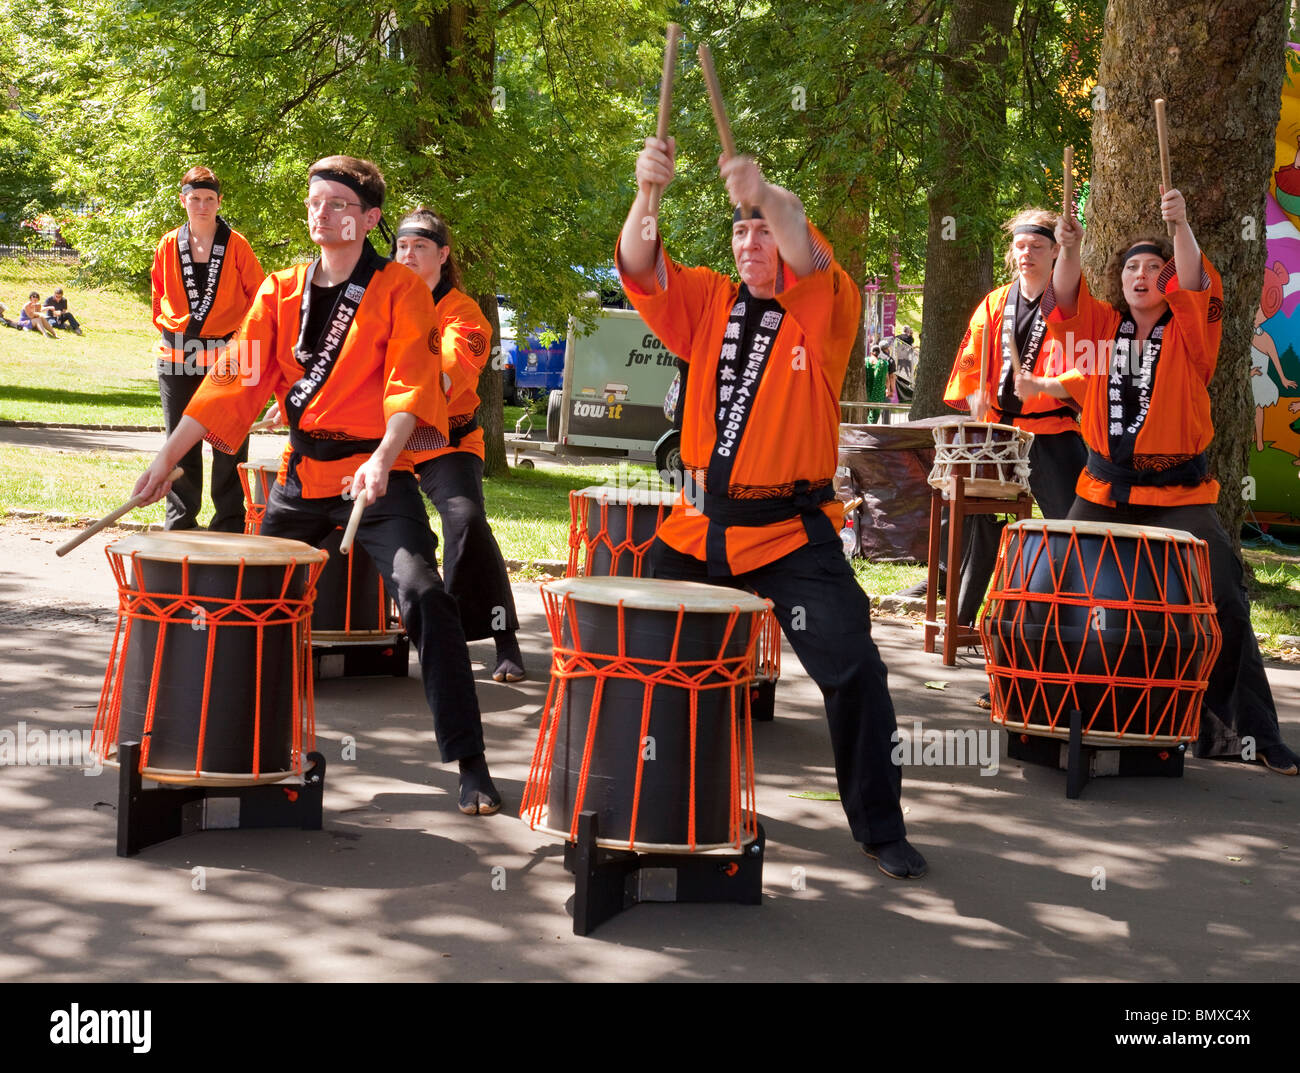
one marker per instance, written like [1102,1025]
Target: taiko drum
[1116,621]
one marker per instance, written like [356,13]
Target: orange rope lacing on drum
[582,544]
[176,609]
[1187,682]
[569,661]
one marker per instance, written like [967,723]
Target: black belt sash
[1060,411]
[459,432]
[1123,479]
[723,512]
[320,356]
[321,449]
[200,305]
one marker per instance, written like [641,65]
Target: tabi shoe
[1280,759]
[898,860]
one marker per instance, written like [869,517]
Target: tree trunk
[457,46]
[958,259]
[1220,67]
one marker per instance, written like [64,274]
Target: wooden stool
[1014,500]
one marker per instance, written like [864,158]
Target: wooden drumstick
[1067,198]
[109,519]
[1162,135]
[354,520]
[719,111]
[665,102]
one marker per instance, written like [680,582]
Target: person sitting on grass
[5,320]
[32,319]
[56,309]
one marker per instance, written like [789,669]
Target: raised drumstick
[1162,135]
[354,520]
[665,101]
[719,111]
[109,519]
[1067,198]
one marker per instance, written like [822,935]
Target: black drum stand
[1082,762]
[362,659]
[147,817]
[607,881]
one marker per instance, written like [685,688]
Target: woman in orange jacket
[452,477]
[204,278]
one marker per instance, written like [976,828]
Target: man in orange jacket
[760,429]
[345,345]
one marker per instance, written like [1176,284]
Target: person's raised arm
[639,245]
[1069,268]
[782,210]
[1187,254]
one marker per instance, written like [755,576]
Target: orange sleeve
[412,373]
[826,304]
[235,390]
[679,303]
[156,279]
[965,378]
[465,338]
[1199,316]
[250,270]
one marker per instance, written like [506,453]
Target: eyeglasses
[318,205]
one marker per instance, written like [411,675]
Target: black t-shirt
[319,310]
[58,304]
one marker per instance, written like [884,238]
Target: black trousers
[185,500]
[471,559]
[395,532]
[1055,462]
[1238,700]
[826,617]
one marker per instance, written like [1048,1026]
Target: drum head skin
[216,548]
[1121,532]
[648,497]
[652,594]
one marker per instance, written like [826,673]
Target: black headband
[1034,229]
[415,231]
[201,184]
[1144,247]
[755,213]
[352,183]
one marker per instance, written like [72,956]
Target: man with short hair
[348,346]
[760,427]
[59,315]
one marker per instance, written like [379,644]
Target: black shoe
[1280,759]
[985,701]
[915,592]
[898,860]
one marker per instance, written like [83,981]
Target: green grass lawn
[104,377]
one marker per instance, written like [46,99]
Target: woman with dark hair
[1140,366]
[32,319]
[204,278]
[452,477]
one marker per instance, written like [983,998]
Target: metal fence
[55,256]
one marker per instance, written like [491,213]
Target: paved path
[1190,879]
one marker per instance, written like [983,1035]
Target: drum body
[992,459]
[611,530]
[210,668]
[610,534]
[351,603]
[1116,621]
[647,718]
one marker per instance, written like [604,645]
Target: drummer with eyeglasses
[1142,361]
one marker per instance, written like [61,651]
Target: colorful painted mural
[1275,350]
